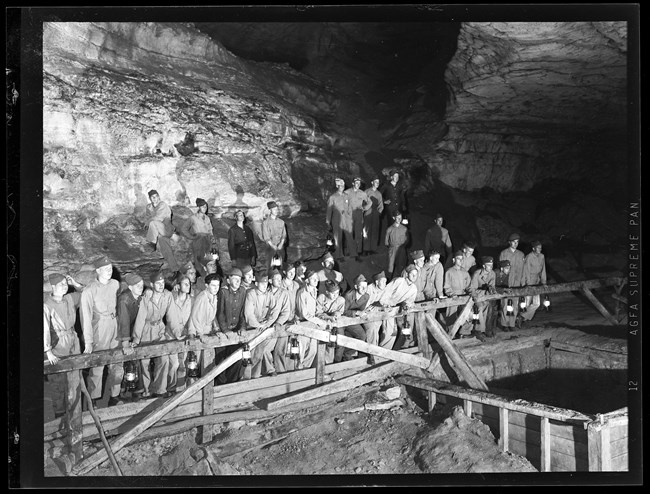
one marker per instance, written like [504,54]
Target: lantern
[192,364]
[294,349]
[522,304]
[333,337]
[330,239]
[510,311]
[131,375]
[405,221]
[547,303]
[246,356]
[214,253]
[475,318]
[406,327]
[276,261]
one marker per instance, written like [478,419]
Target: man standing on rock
[160,229]
[516,258]
[437,238]
[198,228]
[241,242]
[534,273]
[372,218]
[339,219]
[358,204]
[394,196]
[274,236]
[98,306]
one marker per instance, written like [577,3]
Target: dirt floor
[379,431]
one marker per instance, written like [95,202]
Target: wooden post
[467,407]
[464,314]
[161,409]
[320,362]
[454,355]
[423,336]
[598,446]
[545,444]
[504,429]
[73,424]
[432,400]
[601,308]
[205,431]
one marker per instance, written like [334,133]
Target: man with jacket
[338,218]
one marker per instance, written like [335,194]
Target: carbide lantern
[246,356]
[522,304]
[547,303]
[510,311]
[192,364]
[333,336]
[131,375]
[294,349]
[475,318]
[406,327]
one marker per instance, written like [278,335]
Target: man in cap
[457,281]
[394,195]
[150,328]
[230,316]
[211,266]
[328,273]
[399,292]
[177,319]
[339,219]
[306,306]
[330,306]
[508,308]
[241,242]
[359,202]
[483,283]
[128,303]
[397,240]
[59,337]
[372,217]
[375,293]
[160,229]
[247,277]
[469,261]
[282,306]
[516,258]
[534,273]
[417,260]
[203,319]
[198,228]
[97,308]
[274,236]
[437,239]
[356,302]
[260,313]
[189,270]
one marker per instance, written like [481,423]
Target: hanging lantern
[522,304]
[547,303]
[192,364]
[405,221]
[246,359]
[475,318]
[406,327]
[510,311]
[131,375]
[333,337]
[330,239]
[214,253]
[294,349]
[276,261]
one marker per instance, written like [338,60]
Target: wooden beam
[207,405]
[423,335]
[518,405]
[467,407]
[432,400]
[455,356]
[320,362]
[312,331]
[164,407]
[504,429]
[601,308]
[73,424]
[378,372]
[460,320]
[545,444]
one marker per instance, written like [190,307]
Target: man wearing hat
[260,313]
[330,306]
[506,320]
[534,273]
[372,217]
[150,328]
[59,337]
[160,229]
[417,260]
[457,281]
[203,318]
[400,291]
[274,236]
[281,301]
[306,306]
[483,283]
[469,261]
[230,316]
[437,239]
[359,202]
[394,195]
[516,258]
[397,240]
[128,303]
[339,220]
[375,293]
[198,228]
[241,242]
[356,302]
[177,319]
[211,266]
[97,307]
[247,277]
[328,273]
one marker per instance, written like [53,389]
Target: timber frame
[423,359]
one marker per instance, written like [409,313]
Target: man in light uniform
[400,291]
[160,228]
[457,281]
[516,258]
[372,218]
[483,283]
[339,219]
[306,306]
[534,273]
[358,203]
[274,236]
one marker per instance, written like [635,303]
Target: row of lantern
[522,305]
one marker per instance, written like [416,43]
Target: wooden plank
[620,463]
[601,308]
[594,445]
[589,356]
[618,447]
[467,408]
[519,405]
[423,337]
[73,424]
[569,347]
[207,402]
[503,429]
[605,450]
[545,446]
[320,362]
[455,356]
[432,400]
[160,411]
[461,319]
[377,372]
[312,331]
